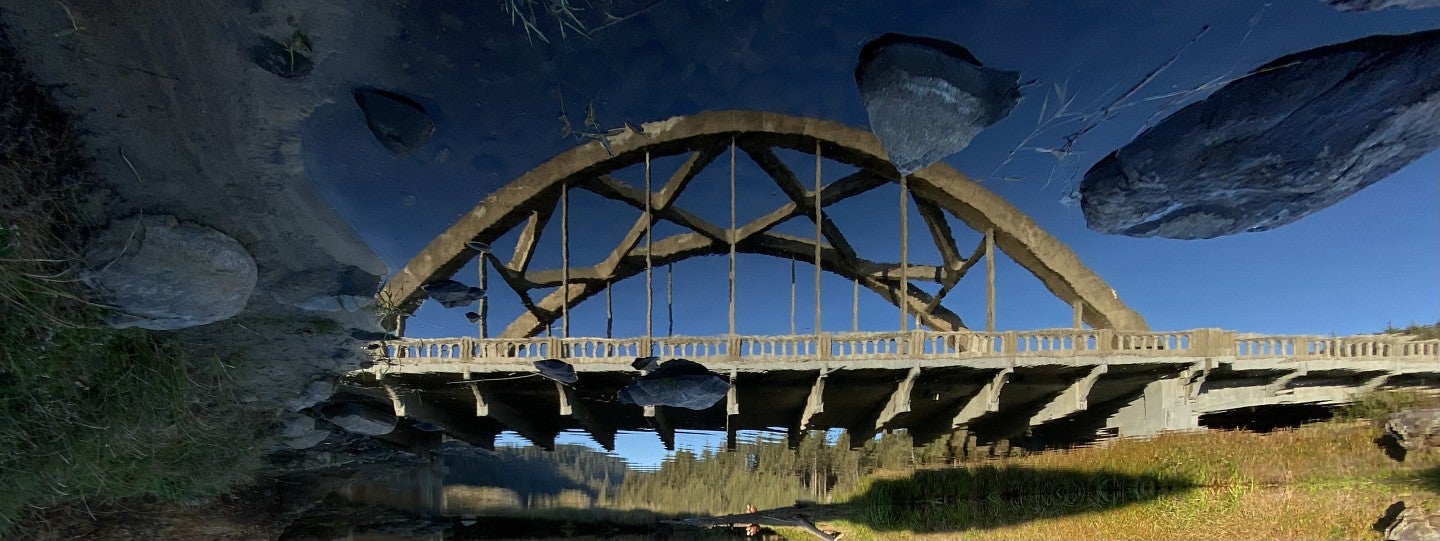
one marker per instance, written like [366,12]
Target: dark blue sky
[1370,260]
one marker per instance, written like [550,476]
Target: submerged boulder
[400,123]
[160,273]
[359,418]
[927,98]
[1376,5]
[452,294]
[677,383]
[1295,136]
[557,370]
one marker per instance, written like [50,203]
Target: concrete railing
[913,345]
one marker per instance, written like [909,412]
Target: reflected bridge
[1056,385]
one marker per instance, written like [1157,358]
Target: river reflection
[530,490]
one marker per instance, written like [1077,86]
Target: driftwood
[785,516]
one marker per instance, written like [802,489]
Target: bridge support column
[1282,382]
[486,405]
[602,431]
[1073,399]
[1374,383]
[899,403]
[732,409]
[986,400]
[1164,405]
[814,405]
[409,404]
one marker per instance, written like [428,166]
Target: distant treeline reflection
[531,481]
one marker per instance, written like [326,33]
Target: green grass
[1324,481]
[1378,405]
[88,414]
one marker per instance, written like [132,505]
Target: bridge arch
[530,199]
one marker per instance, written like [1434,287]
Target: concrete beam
[486,405]
[663,427]
[410,404]
[986,400]
[1374,383]
[1073,399]
[899,401]
[814,405]
[1283,381]
[601,430]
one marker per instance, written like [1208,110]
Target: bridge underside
[1055,400]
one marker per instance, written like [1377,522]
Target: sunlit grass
[1324,481]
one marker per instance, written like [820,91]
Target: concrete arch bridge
[931,379]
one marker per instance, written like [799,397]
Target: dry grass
[1324,481]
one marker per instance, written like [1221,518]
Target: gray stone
[1376,5]
[452,294]
[307,440]
[160,273]
[1415,430]
[360,419]
[299,432]
[286,60]
[1414,524]
[927,98]
[400,123]
[347,289]
[1295,136]
[315,392]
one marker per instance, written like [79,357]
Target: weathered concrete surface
[1414,524]
[1296,135]
[1066,399]
[1415,430]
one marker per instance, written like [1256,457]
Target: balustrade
[911,345]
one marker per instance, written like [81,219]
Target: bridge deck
[1059,383]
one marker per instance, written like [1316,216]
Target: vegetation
[1378,405]
[1327,480]
[1420,332]
[87,413]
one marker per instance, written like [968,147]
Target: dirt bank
[213,138]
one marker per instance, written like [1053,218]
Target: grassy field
[1323,481]
[88,414]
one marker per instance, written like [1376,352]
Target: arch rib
[1053,263]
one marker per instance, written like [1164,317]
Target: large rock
[927,98]
[299,432]
[1295,136]
[1376,5]
[160,273]
[314,392]
[360,419]
[1413,524]
[400,123]
[1415,430]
